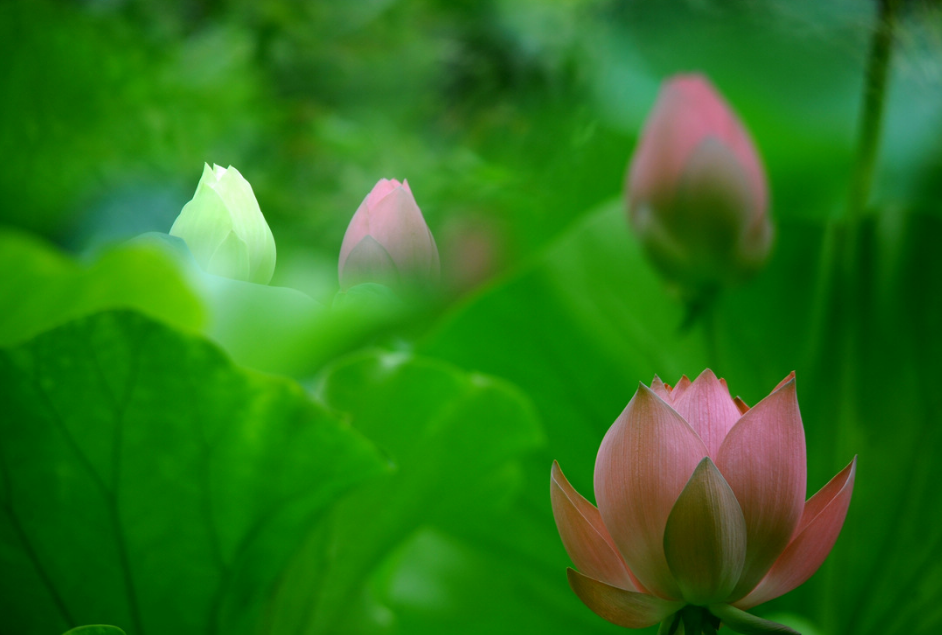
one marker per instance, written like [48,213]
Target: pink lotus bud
[701,509]
[697,192]
[388,242]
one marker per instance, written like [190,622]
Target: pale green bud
[224,228]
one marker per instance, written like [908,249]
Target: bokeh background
[514,121]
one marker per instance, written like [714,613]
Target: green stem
[871,122]
[711,338]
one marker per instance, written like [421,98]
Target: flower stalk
[874,97]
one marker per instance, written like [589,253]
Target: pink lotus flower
[701,510]
[388,241]
[697,192]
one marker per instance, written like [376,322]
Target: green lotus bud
[224,228]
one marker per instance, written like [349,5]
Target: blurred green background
[305,474]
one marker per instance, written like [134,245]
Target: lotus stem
[871,122]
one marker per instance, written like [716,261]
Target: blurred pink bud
[475,249]
[697,192]
[700,505]
[388,242]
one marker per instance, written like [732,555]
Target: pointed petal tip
[741,405]
[817,532]
[789,380]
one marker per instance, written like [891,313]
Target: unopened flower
[224,228]
[697,192]
[388,242]
[701,511]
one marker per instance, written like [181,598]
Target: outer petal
[204,223]
[742,622]
[357,230]
[705,537]
[231,260]
[368,262]
[618,606]
[817,532]
[585,537]
[708,408]
[643,464]
[763,460]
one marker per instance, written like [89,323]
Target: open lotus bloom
[388,241]
[697,192]
[224,228]
[701,510]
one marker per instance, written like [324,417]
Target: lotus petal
[746,624]
[705,537]
[708,408]
[618,606]
[368,262]
[682,385]
[643,464]
[661,389]
[397,219]
[763,460]
[584,535]
[814,538]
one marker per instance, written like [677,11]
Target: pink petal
[708,408]
[787,379]
[680,388]
[705,537]
[584,535]
[382,189]
[398,225]
[618,606]
[642,466]
[661,389]
[763,460]
[816,534]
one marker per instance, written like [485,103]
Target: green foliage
[43,288]
[455,440]
[148,483]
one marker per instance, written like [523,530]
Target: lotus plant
[697,193]
[388,241]
[701,510]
